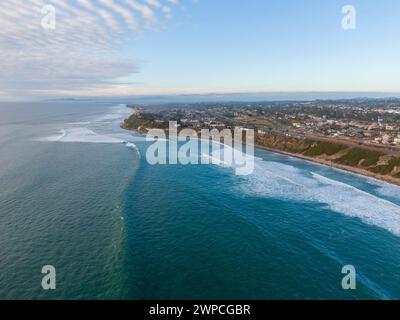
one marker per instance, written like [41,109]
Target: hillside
[360,159]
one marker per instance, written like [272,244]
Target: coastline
[362,172]
[332,164]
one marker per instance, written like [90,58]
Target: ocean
[77,193]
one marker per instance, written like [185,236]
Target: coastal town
[363,121]
[358,135]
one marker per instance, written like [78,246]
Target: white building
[386,139]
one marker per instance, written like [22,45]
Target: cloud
[83,52]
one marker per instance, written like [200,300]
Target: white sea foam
[226,156]
[83,135]
[107,117]
[387,189]
[117,113]
[132,146]
[128,137]
[79,123]
[216,160]
[353,202]
[383,188]
[83,132]
[276,180]
[54,138]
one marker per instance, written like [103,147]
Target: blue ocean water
[76,192]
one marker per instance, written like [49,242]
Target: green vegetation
[144,121]
[287,144]
[323,147]
[357,156]
[388,168]
[360,157]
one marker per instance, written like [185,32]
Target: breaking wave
[101,129]
[277,180]
[83,135]
[388,190]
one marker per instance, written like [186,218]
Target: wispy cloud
[82,53]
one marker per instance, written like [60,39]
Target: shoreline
[327,163]
[331,164]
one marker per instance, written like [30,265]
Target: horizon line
[381,95]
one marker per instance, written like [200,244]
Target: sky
[152,47]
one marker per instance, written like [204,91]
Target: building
[386,139]
[390,128]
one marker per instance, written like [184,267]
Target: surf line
[165,151]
